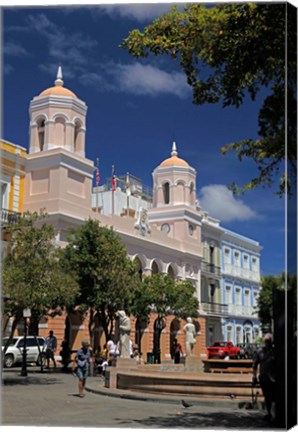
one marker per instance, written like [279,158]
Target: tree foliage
[32,275]
[163,295]
[106,276]
[270,284]
[228,52]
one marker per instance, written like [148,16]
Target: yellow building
[12,177]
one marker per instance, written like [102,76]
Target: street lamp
[26,314]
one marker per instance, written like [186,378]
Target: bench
[230,370]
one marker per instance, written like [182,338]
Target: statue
[190,336]
[124,334]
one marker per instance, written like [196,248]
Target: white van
[14,353]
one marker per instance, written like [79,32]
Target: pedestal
[121,365]
[193,363]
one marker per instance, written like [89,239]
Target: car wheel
[8,360]
[41,360]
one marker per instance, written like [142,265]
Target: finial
[174,149]
[59,80]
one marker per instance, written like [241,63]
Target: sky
[136,108]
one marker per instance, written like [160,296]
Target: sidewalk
[51,399]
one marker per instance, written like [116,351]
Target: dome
[58,89]
[174,160]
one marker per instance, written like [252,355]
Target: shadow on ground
[215,420]
[29,380]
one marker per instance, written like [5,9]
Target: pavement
[51,399]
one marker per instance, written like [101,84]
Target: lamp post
[26,314]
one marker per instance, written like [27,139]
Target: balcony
[215,308]
[210,268]
[242,310]
[9,217]
[241,272]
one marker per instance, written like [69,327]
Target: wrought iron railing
[9,216]
[211,268]
[215,308]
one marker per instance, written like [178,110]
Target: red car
[222,349]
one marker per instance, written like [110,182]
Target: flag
[97,177]
[128,191]
[114,183]
[114,180]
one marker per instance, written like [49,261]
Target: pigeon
[185,404]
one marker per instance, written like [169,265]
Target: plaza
[50,399]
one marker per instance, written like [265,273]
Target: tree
[164,295]
[32,275]
[229,51]
[265,303]
[106,276]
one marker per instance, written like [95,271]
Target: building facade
[170,234]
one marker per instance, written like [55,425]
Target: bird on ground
[185,404]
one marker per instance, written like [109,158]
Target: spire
[174,150]
[59,80]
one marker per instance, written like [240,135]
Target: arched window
[41,133]
[166,192]
[76,135]
[192,193]
[154,268]
[138,265]
[60,131]
[171,272]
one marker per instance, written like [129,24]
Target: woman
[177,351]
[81,366]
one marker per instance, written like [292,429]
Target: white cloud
[148,80]
[13,49]
[69,49]
[220,203]
[137,79]
[139,12]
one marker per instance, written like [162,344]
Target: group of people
[263,362]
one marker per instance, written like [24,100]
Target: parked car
[222,349]
[14,353]
[247,350]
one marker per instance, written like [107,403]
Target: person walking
[51,346]
[177,351]
[81,366]
[264,360]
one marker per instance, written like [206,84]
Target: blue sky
[135,109]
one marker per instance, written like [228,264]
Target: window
[246,297]
[254,264]
[4,195]
[237,258]
[228,294]
[238,296]
[245,261]
[238,334]
[229,333]
[227,256]
[166,193]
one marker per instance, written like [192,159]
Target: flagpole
[113,170]
[127,194]
[97,168]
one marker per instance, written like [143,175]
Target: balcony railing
[242,272]
[210,268]
[241,310]
[215,308]
[9,217]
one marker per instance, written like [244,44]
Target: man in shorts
[81,365]
[51,346]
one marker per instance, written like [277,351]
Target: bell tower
[174,200]
[58,176]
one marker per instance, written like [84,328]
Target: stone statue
[190,336]
[124,334]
